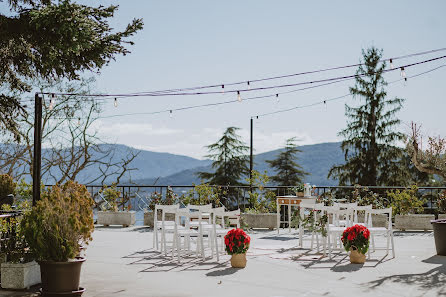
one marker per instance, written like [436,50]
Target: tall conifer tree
[371,134]
[230,158]
[289,173]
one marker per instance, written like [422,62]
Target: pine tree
[230,160]
[371,134]
[289,173]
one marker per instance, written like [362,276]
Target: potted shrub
[110,215]
[356,241]
[7,187]
[299,190]
[19,271]
[237,244]
[406,207]
[56,228]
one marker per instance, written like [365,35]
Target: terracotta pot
[238,260]
[356,257]
[300,194]
[61,278]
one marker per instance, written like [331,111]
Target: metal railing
[138,197]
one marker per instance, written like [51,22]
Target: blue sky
[190,43]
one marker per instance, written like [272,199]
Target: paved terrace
[121,262]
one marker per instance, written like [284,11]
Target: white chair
[219,229]
[305,206]
[386,231]
[341,218]
[162,226]
[187,233]
[345,205]
[356,210]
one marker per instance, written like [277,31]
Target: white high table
[290,201]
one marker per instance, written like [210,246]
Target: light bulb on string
[405,81]
[403,72]
[52,100]
[257,117]
[277,97]
[239,98]
[222,89]
[116,102]
[325,104]
[78,121]
[391,64]
[249,87]
[170,114]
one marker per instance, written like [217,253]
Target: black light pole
[37,147]
[250,159]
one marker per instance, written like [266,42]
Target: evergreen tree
[230,160]
[52,39]
[289,173]
[370,137]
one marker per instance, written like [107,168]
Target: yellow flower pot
[238,260]
[356,257]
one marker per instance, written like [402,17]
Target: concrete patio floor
[121,262]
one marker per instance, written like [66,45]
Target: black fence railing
[138,197]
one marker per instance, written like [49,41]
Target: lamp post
[37,147]
[251,157]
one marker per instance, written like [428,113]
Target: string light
[223,89]
[239,98]
[116,102]
[170,113]
[403,72]
[391,64]
[277,97]
[78,121]
[182,91]
[52,100]
[249,87]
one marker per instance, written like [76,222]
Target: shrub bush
[406,201]
[7,185]
[59,223]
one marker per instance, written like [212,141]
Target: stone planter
[148,218]
[378,220]
[20,275]
[414,222]
[442,216]
[260,220]
[124,218]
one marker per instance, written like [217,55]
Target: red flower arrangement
[356,238]
[237,242]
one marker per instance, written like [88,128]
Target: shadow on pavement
[433,279]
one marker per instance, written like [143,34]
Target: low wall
[414,222]
[260,220]
[124,218]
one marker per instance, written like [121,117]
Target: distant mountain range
[317,159]
[170,169]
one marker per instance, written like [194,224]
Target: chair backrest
[385,211]
[337,215]
[357,209]
[234,217]
[164,209]
[187,215]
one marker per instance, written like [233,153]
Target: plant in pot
[56,229]
[7,187]
[408,209]
[110,213]
[356,241]
[237,244]
[19,271]
[299,190]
